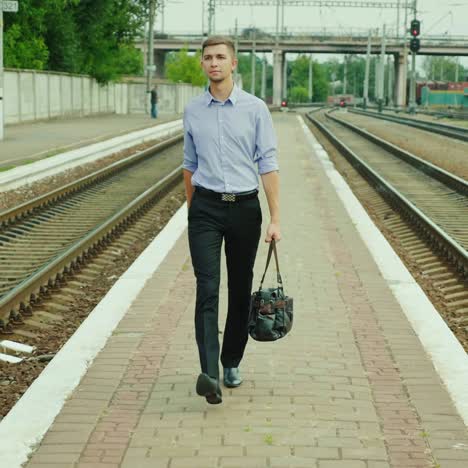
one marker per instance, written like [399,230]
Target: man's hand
[273,232]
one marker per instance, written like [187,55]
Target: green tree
[298,80]
[298,94]
[443,69]
[244,68]
[78,36]
[24,37]
[185,68]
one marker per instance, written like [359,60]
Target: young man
[227,132]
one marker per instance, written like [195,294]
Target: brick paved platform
[350,387]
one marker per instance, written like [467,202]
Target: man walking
[226,133]
[154,103]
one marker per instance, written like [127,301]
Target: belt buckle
[229,197]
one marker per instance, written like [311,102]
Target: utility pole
[203,18]
[264,69]
[236,49]
[150,63]
[390,81]
[382,72]
[366,77]
[282,17]
[345,72]
[376,78]
[311,71]
[398,22]
[254,64]
[277,22]
[211,17]
[285,78]
[163,7]
[456,70]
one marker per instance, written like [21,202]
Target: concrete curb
[28,421]
[23,175]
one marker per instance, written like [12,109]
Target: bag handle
[272,249]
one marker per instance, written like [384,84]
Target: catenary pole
[253,64]
[311,72]
[367,73]
[345,74]
[390,69]
[382,72]
[264,69]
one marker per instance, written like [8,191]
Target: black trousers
[239,224]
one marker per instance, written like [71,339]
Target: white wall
[34,95]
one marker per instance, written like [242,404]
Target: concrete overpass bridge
[317,44]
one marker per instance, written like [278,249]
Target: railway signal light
[415,28]
[414,44]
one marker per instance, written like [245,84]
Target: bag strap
[272,249]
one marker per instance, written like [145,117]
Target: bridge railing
[358,35]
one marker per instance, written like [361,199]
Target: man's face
[217,62]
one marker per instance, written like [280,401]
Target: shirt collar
[233,97]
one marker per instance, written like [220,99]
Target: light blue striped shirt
[224,140]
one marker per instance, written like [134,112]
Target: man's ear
[234,64]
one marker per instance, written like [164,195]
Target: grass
[20,163]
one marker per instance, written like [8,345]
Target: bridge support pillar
[159,61]
[277,76]
[401,71]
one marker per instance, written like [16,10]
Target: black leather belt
[226,197]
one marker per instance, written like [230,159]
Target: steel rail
[451,249]
[446,130]
[17,301]
[450,180]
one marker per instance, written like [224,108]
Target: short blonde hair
[216,40]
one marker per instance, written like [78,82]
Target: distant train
[442,93]
[341,100]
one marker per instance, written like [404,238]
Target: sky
[437,17]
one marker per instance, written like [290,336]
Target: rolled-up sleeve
[190,155]
[265,141]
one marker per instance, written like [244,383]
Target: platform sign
[9,6]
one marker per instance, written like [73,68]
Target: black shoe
[209,388]
[232,377]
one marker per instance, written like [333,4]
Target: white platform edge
[448,356]
[22,175]
[28,421]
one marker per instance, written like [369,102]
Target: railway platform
[25,143]
[369,377]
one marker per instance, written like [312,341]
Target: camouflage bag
[271,311]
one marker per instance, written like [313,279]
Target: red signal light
[415,28]
[284,103]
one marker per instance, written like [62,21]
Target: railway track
[54,235]
[451,131]
[421,209]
